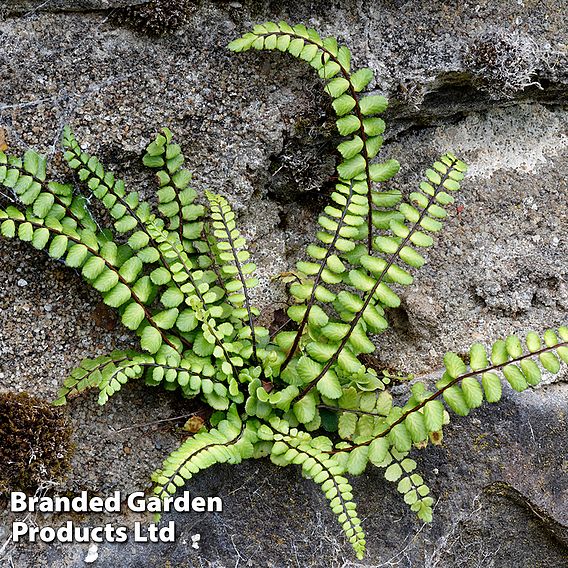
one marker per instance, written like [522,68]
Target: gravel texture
[257,128]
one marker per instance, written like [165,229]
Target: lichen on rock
[504,63]
[154,18]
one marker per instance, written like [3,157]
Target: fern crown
[180,276]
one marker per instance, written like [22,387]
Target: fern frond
[186,218]
[176,200]
[461,389]
[357,115]
[229,248]
[229,442]
[126,208]
[415,492]
[340,233]
[107,373]
[299,448]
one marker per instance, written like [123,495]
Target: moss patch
[36,446]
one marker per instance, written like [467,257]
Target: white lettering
[154,505]
[154,534]
[214,504]
[66,533]
[18,529]
[112,504]
[18,502]
[136,503]
[96,505]
[168,533]
[198,504]
[79,504]
[121,534]
[183,503]
[138,533]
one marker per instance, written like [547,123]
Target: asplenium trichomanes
[180,278]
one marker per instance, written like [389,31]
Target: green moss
[36,445]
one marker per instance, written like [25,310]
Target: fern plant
[180,276]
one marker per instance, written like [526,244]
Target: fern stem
[74,392]
[317,280]
[243,281]
[351,410]
[451,384]
[155,422]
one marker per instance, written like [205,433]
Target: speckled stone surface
[26,7]
[257,128]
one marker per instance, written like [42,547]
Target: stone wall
[487,80]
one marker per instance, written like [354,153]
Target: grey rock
[499,478]
[257,128]
[10,7]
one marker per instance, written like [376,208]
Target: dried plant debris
[36,442]
[504,63]
[155,18]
